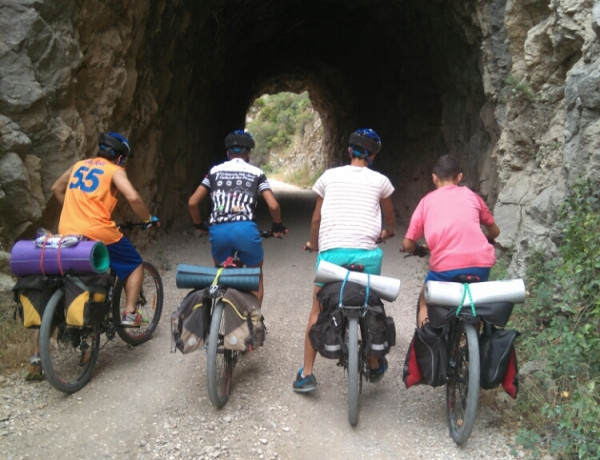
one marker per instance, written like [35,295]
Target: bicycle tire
[462,388]
[219,361]
[353,371]
[149,305]
[68,353]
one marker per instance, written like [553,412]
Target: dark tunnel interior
[408,69]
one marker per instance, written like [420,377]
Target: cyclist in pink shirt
[451,219]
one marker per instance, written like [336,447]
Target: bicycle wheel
[219,361]
[149,305]
[68,353]
[353,371]
[462,388]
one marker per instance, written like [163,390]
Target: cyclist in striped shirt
[346,227]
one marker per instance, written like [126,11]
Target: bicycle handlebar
[143,225]
[420,250]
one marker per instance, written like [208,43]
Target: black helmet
[113,145]
[239,138]
[367,139]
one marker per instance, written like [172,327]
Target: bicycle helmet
[113,145]
[367,140]
[239,138]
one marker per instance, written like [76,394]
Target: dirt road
[147,403]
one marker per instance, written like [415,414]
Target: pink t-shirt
[450,218]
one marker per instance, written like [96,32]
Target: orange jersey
[90,200]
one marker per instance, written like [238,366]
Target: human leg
[133,286]
[33,371]
[305,380]
[126,262]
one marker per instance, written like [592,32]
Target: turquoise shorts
[371,259]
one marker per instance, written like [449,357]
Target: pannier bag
[326,334]
[427,357]
[382,331]
[190,323]
[31,295]
[244,323]
[86,300]
[499,360]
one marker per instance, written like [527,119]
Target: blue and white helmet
[239,139]
[367,141]
[114,145]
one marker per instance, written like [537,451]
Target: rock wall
[509,86]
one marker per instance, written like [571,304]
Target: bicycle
[69,353]
[461,329]
[358,340]
[221,360]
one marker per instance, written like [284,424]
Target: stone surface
[510,87]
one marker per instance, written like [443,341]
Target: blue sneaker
[304,384]
[375,375]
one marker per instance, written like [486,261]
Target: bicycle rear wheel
[68,354]
[219,361]
[149,305]
[462,388]
[354,367]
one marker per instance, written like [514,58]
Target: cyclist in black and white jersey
[234,187]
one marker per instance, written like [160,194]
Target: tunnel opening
[410,70]
[288,134]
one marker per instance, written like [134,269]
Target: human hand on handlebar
[278,229]
[152,222]
[201,229]
[386,235]
[308,247]
[420,250]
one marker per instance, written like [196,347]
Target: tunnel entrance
[408,69]
[288,135]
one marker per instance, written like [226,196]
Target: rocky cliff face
[509,86]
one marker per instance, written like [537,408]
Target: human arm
[125,187]
[278,229]
[492,232]
[315,223]
[59,188]
[389,219]
[193,203]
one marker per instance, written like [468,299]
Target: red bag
[412,373]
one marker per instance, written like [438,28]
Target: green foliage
[518,90]
[562,323]
[275,122]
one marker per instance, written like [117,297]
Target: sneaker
[131,319]
[375,375]
[304,384]
[34,372]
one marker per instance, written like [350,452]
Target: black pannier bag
[427,357]
[31,295]
[498,360]
[326,334]
[190,323]
[86,298]
[382,331]
[496,313]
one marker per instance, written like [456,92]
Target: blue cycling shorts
[243,237]
[371,259]
[449,275]
[124,258]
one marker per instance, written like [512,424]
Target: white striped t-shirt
[351,214]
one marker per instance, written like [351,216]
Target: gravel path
[147,403]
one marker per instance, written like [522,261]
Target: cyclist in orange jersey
[88,191]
